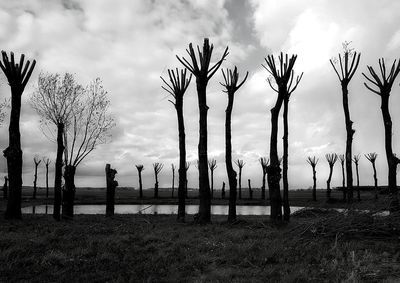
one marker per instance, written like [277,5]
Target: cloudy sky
[130,44]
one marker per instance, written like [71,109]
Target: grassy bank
[157,249]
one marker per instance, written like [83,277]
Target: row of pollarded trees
[80,116]
[331,158]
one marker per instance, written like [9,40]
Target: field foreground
[317,246]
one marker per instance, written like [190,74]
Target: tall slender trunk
[156,187]
[223,191]
[173,183]
[204,215]
[344,184]
[140,185]
[228,161]
[358,183]
[391,158]
[13,153]
[111,184]
[263,186]
[68,192]
[212,184]
[35,182]
[240,182]
[375,181]
[274,170]
[349,141]
[314,192]
[58,172]
[182,161]
[5,188]
[286,205]
[250,189]
[328,183]
[47,181]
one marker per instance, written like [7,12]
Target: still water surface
[155,209]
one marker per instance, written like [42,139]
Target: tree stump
[111,185]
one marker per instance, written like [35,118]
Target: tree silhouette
[231,85]
[18,75]
[342,159]
[173,180]
[157,169]
[47,163]
[313,162]
[111,185]
[140,168]
[5,188]
[177,88]
[331,158]
[223,191]
[187,166]
[37,162]
[356,159]
[240,164]
[283,76]
[54,100]
[264,165]
[347,71]
[212,164]
[89,126]
[372,158]
[382,87]
[201,69]
[250,189]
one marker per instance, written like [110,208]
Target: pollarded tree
[37,161]
[313,162]
[88,126]
[140,168]
[200,68]
[47,163]
[264,165]
[344,189]
[18,75]
[372,158]
[177,88]
[382,86]
[231,85]
[173,180]
[348,66]
[54,100]
[157,169]
[331,158]
[240,164]
[212,164]
[356,159]
[283,75]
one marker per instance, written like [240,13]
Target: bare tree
[157,169]
[37,162]
[47,163]
[201,69]
[173,180]
[177,88]
[283,76]
[264,165]
[231,85]
[89,127]
[382,86]
[240,164]
[250,189]
[372,158]
[342,159]
[111,185]
[212,164]
[140,168]
[18,76]
[347,71]
[186,183]
[356,159]
[331,158]
[54,100]
[313,162]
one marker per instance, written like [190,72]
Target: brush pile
[348,224]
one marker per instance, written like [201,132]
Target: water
[155,209]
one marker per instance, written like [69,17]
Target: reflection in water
[154,209]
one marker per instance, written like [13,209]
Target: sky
[130,44]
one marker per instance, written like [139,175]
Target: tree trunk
[140,185]
[286,205]
[173,183]
[13,153]
[223,191]
[391,158]
[263,186]
[274,170]
[204,215]
[228,161]
[343,184]
[47,181]
[349,141]
[111,185]
[5,188]
[328,184]
[182,189]
[58,172]
[212,184]
[240,182]
[314,192]
[156,187]
[35,182]
[375,181]
[358,184]
[250,189]
[68,192]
